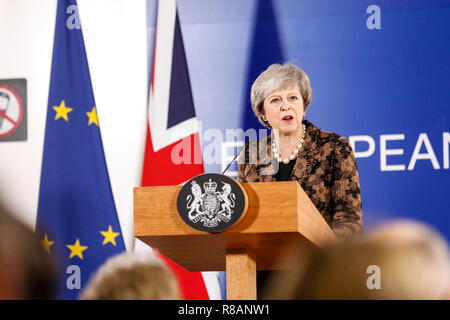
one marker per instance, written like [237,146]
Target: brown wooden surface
[279,213]
[241,274]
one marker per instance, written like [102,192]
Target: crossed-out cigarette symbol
[11,110]
[4,103]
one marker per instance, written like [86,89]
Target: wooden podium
[279,213]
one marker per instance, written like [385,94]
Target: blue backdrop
[382,73]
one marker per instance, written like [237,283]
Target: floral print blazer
[326,170]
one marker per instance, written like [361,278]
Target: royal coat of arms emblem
[213,204]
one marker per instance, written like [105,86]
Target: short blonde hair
[412,258]
[275,77]
[132,277]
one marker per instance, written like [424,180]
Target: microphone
[232,161]
[228,166]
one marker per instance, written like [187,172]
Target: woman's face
[283,109]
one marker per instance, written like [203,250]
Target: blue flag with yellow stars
[77,219]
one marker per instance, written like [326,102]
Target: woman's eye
[294,97]
[274,100]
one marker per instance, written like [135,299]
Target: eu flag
[77,218]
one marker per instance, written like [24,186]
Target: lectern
[279,213]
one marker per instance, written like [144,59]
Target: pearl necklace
[294,153]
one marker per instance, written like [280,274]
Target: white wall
[115,37]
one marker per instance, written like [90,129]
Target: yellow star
[110,236]
[47,244]
[76,249]
[93,118]
[62,111]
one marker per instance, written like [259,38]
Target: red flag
[172,152]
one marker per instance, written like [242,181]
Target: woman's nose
[285,106]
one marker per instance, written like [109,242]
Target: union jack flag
[173,153]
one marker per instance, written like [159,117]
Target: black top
[284,171]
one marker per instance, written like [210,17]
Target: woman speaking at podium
[322,162]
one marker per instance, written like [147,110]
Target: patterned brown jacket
[326,170]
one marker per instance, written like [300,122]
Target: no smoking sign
[13,110]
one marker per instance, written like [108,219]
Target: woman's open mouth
[287,118]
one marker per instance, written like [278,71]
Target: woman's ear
[263,116]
